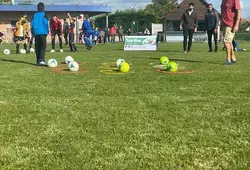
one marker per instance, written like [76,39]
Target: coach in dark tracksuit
[211,25]
[40,29]
[189,24]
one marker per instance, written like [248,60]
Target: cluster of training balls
[22,51]
[122,66]
[72,64]
[170,66]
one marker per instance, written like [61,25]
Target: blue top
[86,26]
[96,33]
[39,24]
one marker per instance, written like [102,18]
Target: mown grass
[141,120]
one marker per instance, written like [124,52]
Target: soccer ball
[118,62]
[164,60]
[23,51]
[172,66]
[6,51]
[69,59]
[73,66]
[124,67]
[248,29]
[32,50]
[52,63]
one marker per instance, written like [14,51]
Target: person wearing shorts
[230,13]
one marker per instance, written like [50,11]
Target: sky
[125,4]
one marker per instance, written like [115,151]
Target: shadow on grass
[17,61]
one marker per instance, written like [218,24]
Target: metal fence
[242,36]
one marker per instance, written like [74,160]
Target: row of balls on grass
[122,65]
[72,64]
[170,66]
[22,51]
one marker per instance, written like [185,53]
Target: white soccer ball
[119,61]
[52,63]
[32,50]
[69,59]
[73,66]
[23,51]
[248,29]
[6,51]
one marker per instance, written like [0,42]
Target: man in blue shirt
[40,30]
[87,29]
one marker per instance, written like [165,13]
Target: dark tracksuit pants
[66,38]
[56,32]
[40,45]
[72,45]
[211,33]
[188,34]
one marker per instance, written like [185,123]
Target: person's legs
[42,47]
[31,42]
[53,42]
[228,38]
[70,43]
[185,35]
[104,39]
[37,47]
[122,37]
[66,39]
[209,36]
[87,39]
[60,40]
[73,42]
[215,41]
[108,38]
[17,47]
[119,38]
[190,39]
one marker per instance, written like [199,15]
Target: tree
[5,1]
[126,17]
[160,8]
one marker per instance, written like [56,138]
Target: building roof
[200,8]
[57,8]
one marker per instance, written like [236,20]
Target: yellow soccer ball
[124,67]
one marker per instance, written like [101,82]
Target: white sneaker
[42,63]
[52,51]
[61,50]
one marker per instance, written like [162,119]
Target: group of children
[40,29]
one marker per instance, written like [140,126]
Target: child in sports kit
[20,34]
[40,30]
[95,36]
[88,31]
[72,34]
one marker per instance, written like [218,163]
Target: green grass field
[141,120]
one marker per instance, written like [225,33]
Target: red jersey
[55,25]
[228,11]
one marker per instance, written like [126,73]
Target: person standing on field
[231,14]
[189,25]
[113,33]
[71,31]
[56,29]
[121,34]
[40,30]
[211,27]
[66,31]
